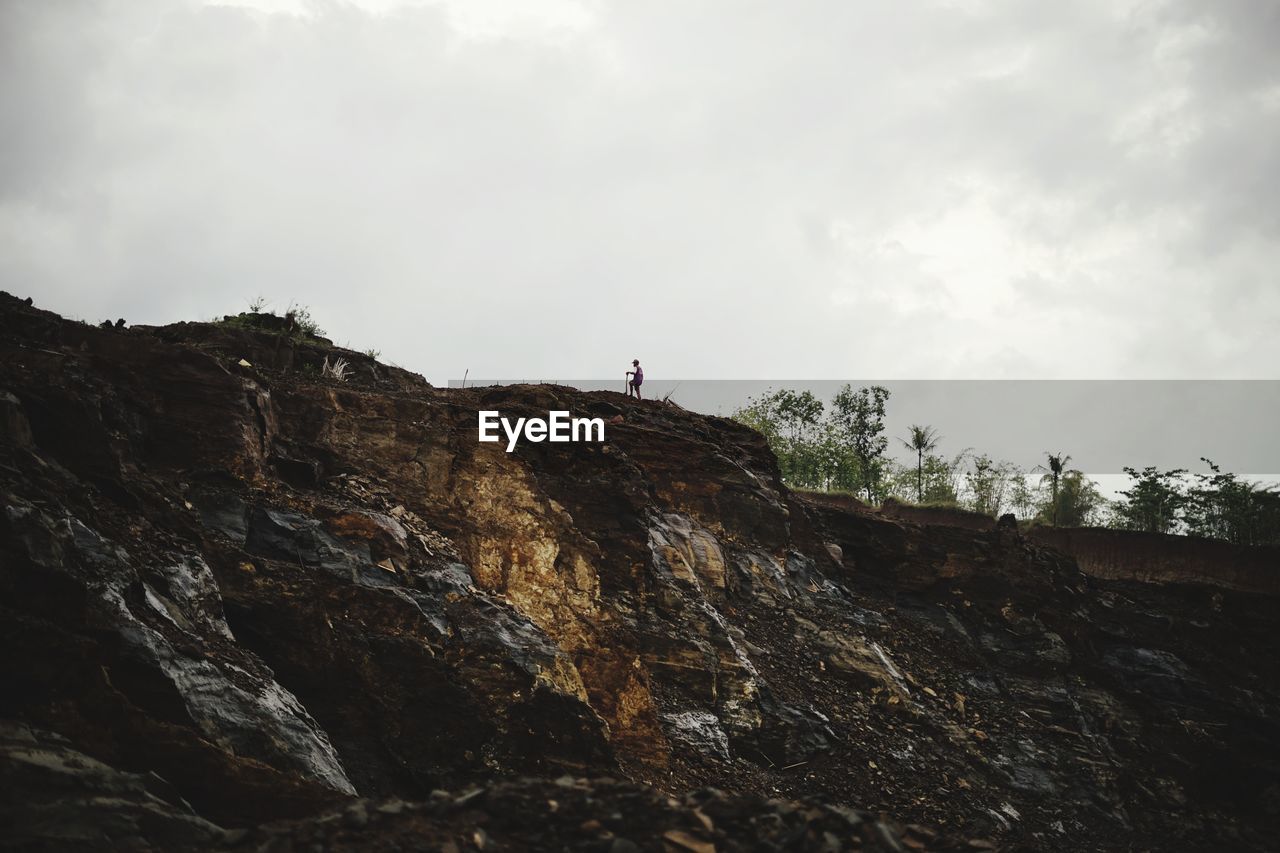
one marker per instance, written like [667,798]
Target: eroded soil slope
[246,605]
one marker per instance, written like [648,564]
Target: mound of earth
[247,605]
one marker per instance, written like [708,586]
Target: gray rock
[236,705]
[71,801]
[288,536]
[223,513]
[700,730]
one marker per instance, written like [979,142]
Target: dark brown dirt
[257,608]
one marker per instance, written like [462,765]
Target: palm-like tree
[1057,465]
[923,439]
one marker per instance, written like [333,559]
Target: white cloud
[725,189]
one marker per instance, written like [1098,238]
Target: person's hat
[635,361]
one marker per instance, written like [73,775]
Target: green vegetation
[1153,502]
[1215,504]
[858,423]
[299,317]
[842,449]
[297,323]
[934,481]
[1078,503]
[838,450]
[924,439]
[1057,466]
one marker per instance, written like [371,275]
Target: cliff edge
[246,605]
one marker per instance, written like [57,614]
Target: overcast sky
[725,189]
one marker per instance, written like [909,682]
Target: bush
[303,324]
[296,323]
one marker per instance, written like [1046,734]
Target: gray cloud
[727,189]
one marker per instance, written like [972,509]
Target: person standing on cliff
[636,378]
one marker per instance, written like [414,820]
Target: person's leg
[638,397]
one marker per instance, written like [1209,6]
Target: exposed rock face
[246,594]
[1115,554]
[1131,555]
[69,801]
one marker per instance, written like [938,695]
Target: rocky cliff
[1119,554]
[247,606]
[1133,555]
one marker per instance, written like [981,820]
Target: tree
[935,483]
[1057,465]
[791,422]
[799,417]
[858,417]
[1022,497]
[987,481]
[942,479]
[1223,506]
[1078,502]
[922,440]
[1153,501]
[839,465]
[761,415]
